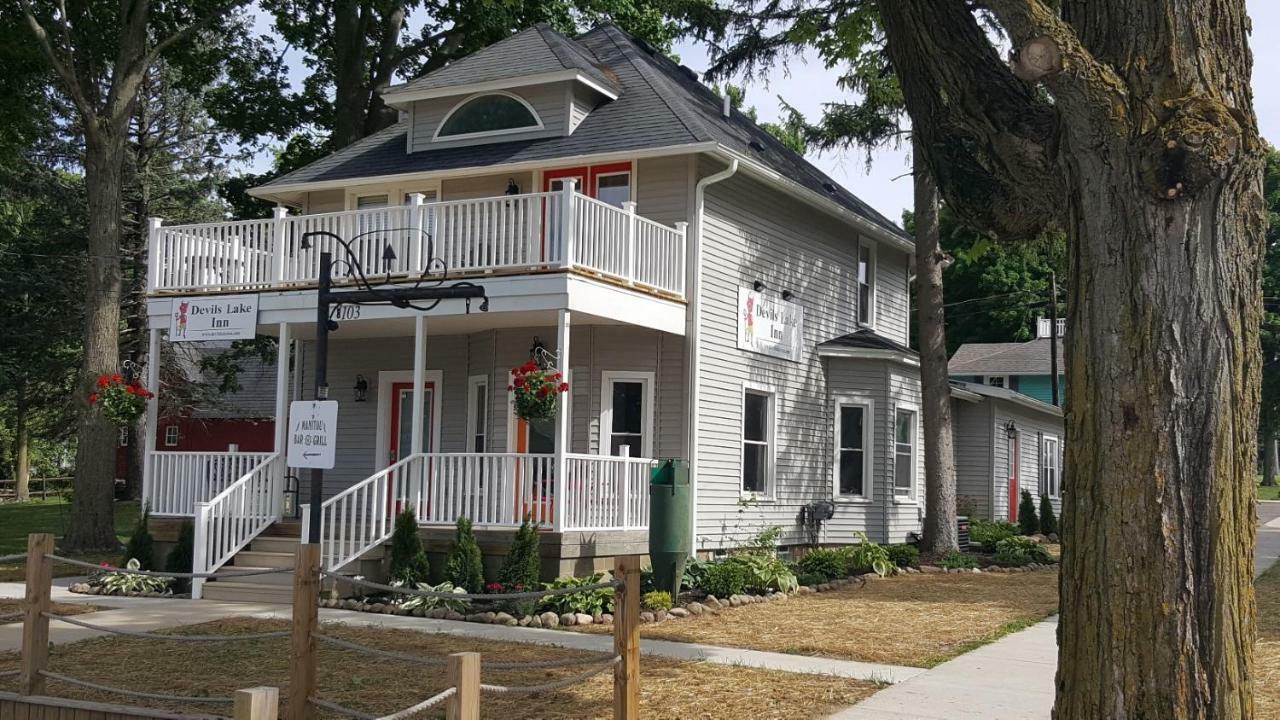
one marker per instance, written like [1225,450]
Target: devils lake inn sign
[227,317]
[769,325]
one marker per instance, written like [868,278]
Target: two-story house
[1024,367]
[707,293]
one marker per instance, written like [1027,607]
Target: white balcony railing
[510,233]
[179,480]
[230,520]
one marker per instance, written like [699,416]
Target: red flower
[557,376]
[117,378]
[564,387]
[510,388]
[519,381]
[93,398]
[103,381]
[542,391]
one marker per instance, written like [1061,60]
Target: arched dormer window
[492,113]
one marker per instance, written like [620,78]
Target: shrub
[141,546]
[765,573]
[824,563]
[956,560]
[465,568]
[810,580]
[523,566]
[989,532]
[694,574]
[409,562]
[123,583]
[904,555]
[1048,521]
[723,579]
[1028,523]
[764,542]
[656,600]
[866,557]
[589,602]
[182,556]
[1021,551]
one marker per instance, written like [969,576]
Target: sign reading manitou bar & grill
[228,317]
[770,326]
[313,433]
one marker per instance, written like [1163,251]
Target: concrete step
[266,544]
[240,591]
[258,558]
[279,578]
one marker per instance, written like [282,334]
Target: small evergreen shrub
[465,568]
[141,545]
[409,562]
[1048,521]
[956,560]
[1028,523]
[656,600]
[523,566]
[182,556]
[904,555]
[723,579]
[824,563]
[989,532]
[1018,551]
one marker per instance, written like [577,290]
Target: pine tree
[1048,521]
[465,568]
[182,557]
[141,545]
[523,566]
[409,562]
[1028,524]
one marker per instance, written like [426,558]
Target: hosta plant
[413,602]
[589,602]
[115,582]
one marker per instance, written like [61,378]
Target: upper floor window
[866,285]
[996,381]
[489,114]
[904,453]
[757,439]
[1050,466]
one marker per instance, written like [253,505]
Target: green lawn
[17,520]
[1269,493]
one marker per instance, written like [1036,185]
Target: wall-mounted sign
[227,317]
[769,325]
[313,433]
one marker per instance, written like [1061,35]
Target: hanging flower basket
[122,402]
[536,391]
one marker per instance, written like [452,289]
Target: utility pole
[1053,337]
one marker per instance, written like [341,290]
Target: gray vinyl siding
[593,349]
[973,432]
[323,201]
[548,101]
[582,100]
[860,380]
[752,232]
[484,186]
[893,296]
[662,189]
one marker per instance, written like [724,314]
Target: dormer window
[495,113]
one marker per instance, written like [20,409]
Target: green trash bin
[669,511]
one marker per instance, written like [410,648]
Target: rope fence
[461,694]
[221,574]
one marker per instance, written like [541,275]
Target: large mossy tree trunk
[1131,124]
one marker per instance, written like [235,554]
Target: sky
[886,184]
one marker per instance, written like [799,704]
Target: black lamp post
[366,293]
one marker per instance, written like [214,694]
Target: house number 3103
[344,312]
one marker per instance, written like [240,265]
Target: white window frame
[1004,381]
[474,383]
[910,497]
[873,262]
[382,430]
[171,436]
[607,378]
[631,183]
[1053,490]
[771,440]
[393,191]
[868,434]
[436,137]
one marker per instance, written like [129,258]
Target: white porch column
[283,352]
[568,216]
[562,425]
[279,253]
[155,259]
[418,253]
[629,208]
[419,411]
[153,414]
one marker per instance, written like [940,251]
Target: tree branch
[64,70]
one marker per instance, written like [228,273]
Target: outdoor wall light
[1011,430]
[787,295]
[758,286]
[513,188]
[361,390]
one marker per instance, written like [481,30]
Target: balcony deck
[511,234]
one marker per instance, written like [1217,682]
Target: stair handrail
[230,520]
[360,517]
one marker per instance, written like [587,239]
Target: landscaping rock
[804,590]
[646,617]
[504,619]
[606,619]
[376,607]
[351,604]
[678,612]
[1053,537]
[696,608]
[454,615]
[930,569]
[568,619]
[79,588]
[549,619]
[712,602]
[535,621]
[437,613]
[584,619]
[659,616]
[525,621]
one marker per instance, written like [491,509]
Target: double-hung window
[171,436]
[757,441]
[904,453]
[1050,466]
[477,414]
[627,413]
[996,381]
[866,285]
[853,449]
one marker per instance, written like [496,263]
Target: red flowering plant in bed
[537,391]
[121,401]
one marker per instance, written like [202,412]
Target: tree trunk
[935,388]
[350,86]
[1270,459]
[22,447]
[1162,409]
[92,513]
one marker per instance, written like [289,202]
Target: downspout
[693,321]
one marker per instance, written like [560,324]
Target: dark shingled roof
[660,105]
[866,340]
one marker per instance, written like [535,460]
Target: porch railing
[509,233]
[179,480]
[492,490]
[231,519]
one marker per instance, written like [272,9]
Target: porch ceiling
[440,325]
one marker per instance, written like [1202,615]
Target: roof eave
[897,356]
[402,99]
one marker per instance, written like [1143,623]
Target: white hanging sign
[226,317]
[313,433]
[769,325]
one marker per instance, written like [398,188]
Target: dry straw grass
[1266,682]
[668,689]
[10,607]
[917,620]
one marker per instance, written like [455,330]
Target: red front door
[1015,462]
[401,439]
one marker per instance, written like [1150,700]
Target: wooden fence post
[260,703]
[35,625]
[463,672]
[302,644]
[626,638]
